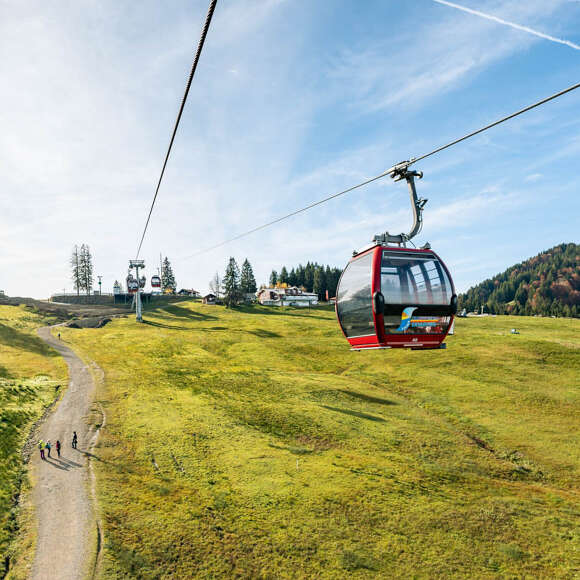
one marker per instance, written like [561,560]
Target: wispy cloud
[372,78]
[510,24]
[285,112]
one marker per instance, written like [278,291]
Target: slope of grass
[29,375]
[253,443]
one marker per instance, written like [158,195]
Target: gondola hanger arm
[398,172]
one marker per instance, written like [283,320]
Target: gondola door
[419,299]
[354,308]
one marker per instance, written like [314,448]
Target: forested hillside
[313,277]
[547,284]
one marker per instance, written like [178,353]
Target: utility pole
[100,292]
[138,311]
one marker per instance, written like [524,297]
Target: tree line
[81,263]
[547,284]
[235,284]
[82,271]
[313,277]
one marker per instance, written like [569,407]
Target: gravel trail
[67,528]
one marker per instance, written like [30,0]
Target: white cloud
[90,95]
[434,58]
[533,177]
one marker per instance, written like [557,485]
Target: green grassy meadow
[253,443]
[29,375]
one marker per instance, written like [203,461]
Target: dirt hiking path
[67,529]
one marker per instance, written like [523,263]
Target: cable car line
[263,226]
[524,110]
[392,171]
[183,100]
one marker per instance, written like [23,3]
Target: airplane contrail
[508,23]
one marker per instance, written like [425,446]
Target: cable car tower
[137,264]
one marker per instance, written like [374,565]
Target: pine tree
[273,278]
[301,274]
[247,280]
[319,283]
[309,277]
[167,277]
[75,264]
[86,269]
[232,294]
[283,275]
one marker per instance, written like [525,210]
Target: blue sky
[292,101]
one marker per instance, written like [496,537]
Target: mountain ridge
[547,284]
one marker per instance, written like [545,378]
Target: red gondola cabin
[395,297]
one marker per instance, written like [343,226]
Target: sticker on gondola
[424,322]
[406,317]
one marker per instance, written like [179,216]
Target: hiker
[48,447]
[59,336]
[74,441]
[58,447]
[41,448]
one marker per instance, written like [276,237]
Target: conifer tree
[283,275]
[86,269]
[75,264]
[319,283]
[232,294]
[167,276]
[300,275]
[273,278]
[309,276]
[247,279]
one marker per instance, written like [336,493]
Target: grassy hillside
[253,443]
[29,374]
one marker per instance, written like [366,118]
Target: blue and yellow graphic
[406,318]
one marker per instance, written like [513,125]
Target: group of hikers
[45,447]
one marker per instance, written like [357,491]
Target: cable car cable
[391,171]
[263,226]
[524,110]
[183,100]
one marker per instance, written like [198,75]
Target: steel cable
[183,100]
[391,171]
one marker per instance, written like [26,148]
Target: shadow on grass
[119,466]
[181,312]
[169,326]
[23,341]
[4,373]
[293,450]
[366,398]
[262,333]
[285,311]
[355,414]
